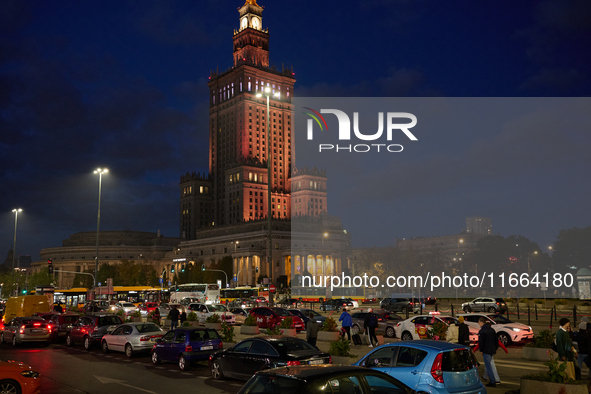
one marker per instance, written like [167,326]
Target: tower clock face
[255,23]
[244,22]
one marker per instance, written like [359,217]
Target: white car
[203,311]
[240,314]
[131,338]
[127,307]
[507,331]
[407,330]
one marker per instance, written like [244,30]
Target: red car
[147,308]
[272,316]
[16,377]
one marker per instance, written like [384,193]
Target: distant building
[479,225]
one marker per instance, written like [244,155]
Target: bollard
[518,310]
[575,316]
[528,317]
[555,313]
[452,310]
[437,309]
[420,308]
[407,315]
[551,313]
[536,310]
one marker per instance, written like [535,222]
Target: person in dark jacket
[174,317]
[488,344]
[564,345]
[583,341]
[347,322]
[371,323]
[182,318]
[312,328]
[463,332]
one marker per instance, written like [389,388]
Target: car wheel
[1,338]
[69,341]
[467,309]
[87,343]
[105,347]
[390,332]
[403,310]
[10,386]
[183,364]
[355,329]
[504,339]
[492,309]
[155,358]
[14,340]
[128,350]
[406,336]
[216,370]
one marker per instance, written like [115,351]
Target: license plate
[207,348]
[313,362]
[62,334]
[36,330]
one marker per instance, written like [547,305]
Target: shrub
[586,303]
[250,321]
[509,300]
[560,301]
[286,323]
[136,314]
[227,332]
[329,324]
[341,348]
[155,318]
[120,312]
[192,316]
[538,301]
[213,318]
[274,330]
[186,324]
[544,340]
[439,331]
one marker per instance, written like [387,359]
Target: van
[25,306]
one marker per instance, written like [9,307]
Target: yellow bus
[244,292]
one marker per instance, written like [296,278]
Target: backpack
[373,321]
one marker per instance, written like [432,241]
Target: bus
[207,293]
[244,292]
[314,294]
[76,297]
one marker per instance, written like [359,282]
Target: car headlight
[30,374]
[516,329]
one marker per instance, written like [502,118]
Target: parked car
[204,311]
[430,300]
[25,329]
[251,355]
[90,329]
[354,302]
[267,317]
[60,324]
[165,308]
[96,306]
[428,366]
[407,330]
[289,303]
[296,312]
[317,316]
[335,304]
[386,322]
[507,331]
[132,338]
[399,304]
[17,377]
[485,304]
[127,307]
[240,314]
[186,345]
[324,379]
[147,307]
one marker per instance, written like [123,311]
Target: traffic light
[50,266]
[172,269]
[25,291]
[183,268]
[256,269]
[202,267]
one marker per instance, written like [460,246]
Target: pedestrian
[452,333]
[173,315]
[370,323]
[347,322]
[488,344]
[182,317]
[583,341]
[156,315]
[312,328]
[564,346]
[463,332]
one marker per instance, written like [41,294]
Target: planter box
[289,332]
[537,387]
[249,330]
[538,354]
[135,318]
[584,309]
[328,336]
[194,323]
[215,326]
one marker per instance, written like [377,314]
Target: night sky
[122,85]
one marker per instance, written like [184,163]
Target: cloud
[555,79]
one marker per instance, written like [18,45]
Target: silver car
[386,322]
[25,329]
[131,338]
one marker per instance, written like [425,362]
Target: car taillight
[188,348]
[36,324]
[292,363]
[330,359]
[397,324]
[49,328]
[436,371]
[144,338]
[22,330]
[95,328]
[498,303]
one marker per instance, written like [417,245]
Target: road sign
[161,281]
[272,288]
[100,283]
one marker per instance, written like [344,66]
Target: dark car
[335,304]
[186,345]
[317,316]
[400,304]
[298,313]
[323,379]
[485,304]
[251,355]
[60,324]
[289,303]
[90,329]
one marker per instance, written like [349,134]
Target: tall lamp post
[528,254]
[267,93]
[100,173]
[16,211]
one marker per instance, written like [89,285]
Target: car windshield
[457,360]
[108,320]
[69,319]
[218,308]
[274,384]
[147,327]
[281,312]
[127,305]
[385,316]
[499,319]
[292,346]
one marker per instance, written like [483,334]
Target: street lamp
[267,93]
[528,254]
[16,211]
[100,173]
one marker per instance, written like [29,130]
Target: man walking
[564,345]
[463,332]
[488,345]
[347,322]
[312,328]
[174,317]
[371,323]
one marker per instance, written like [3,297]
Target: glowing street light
[16,211]
[100,173]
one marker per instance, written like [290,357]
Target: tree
[572,249]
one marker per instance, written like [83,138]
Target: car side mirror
[158,340]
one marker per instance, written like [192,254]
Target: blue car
[435,367]
[186,345]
